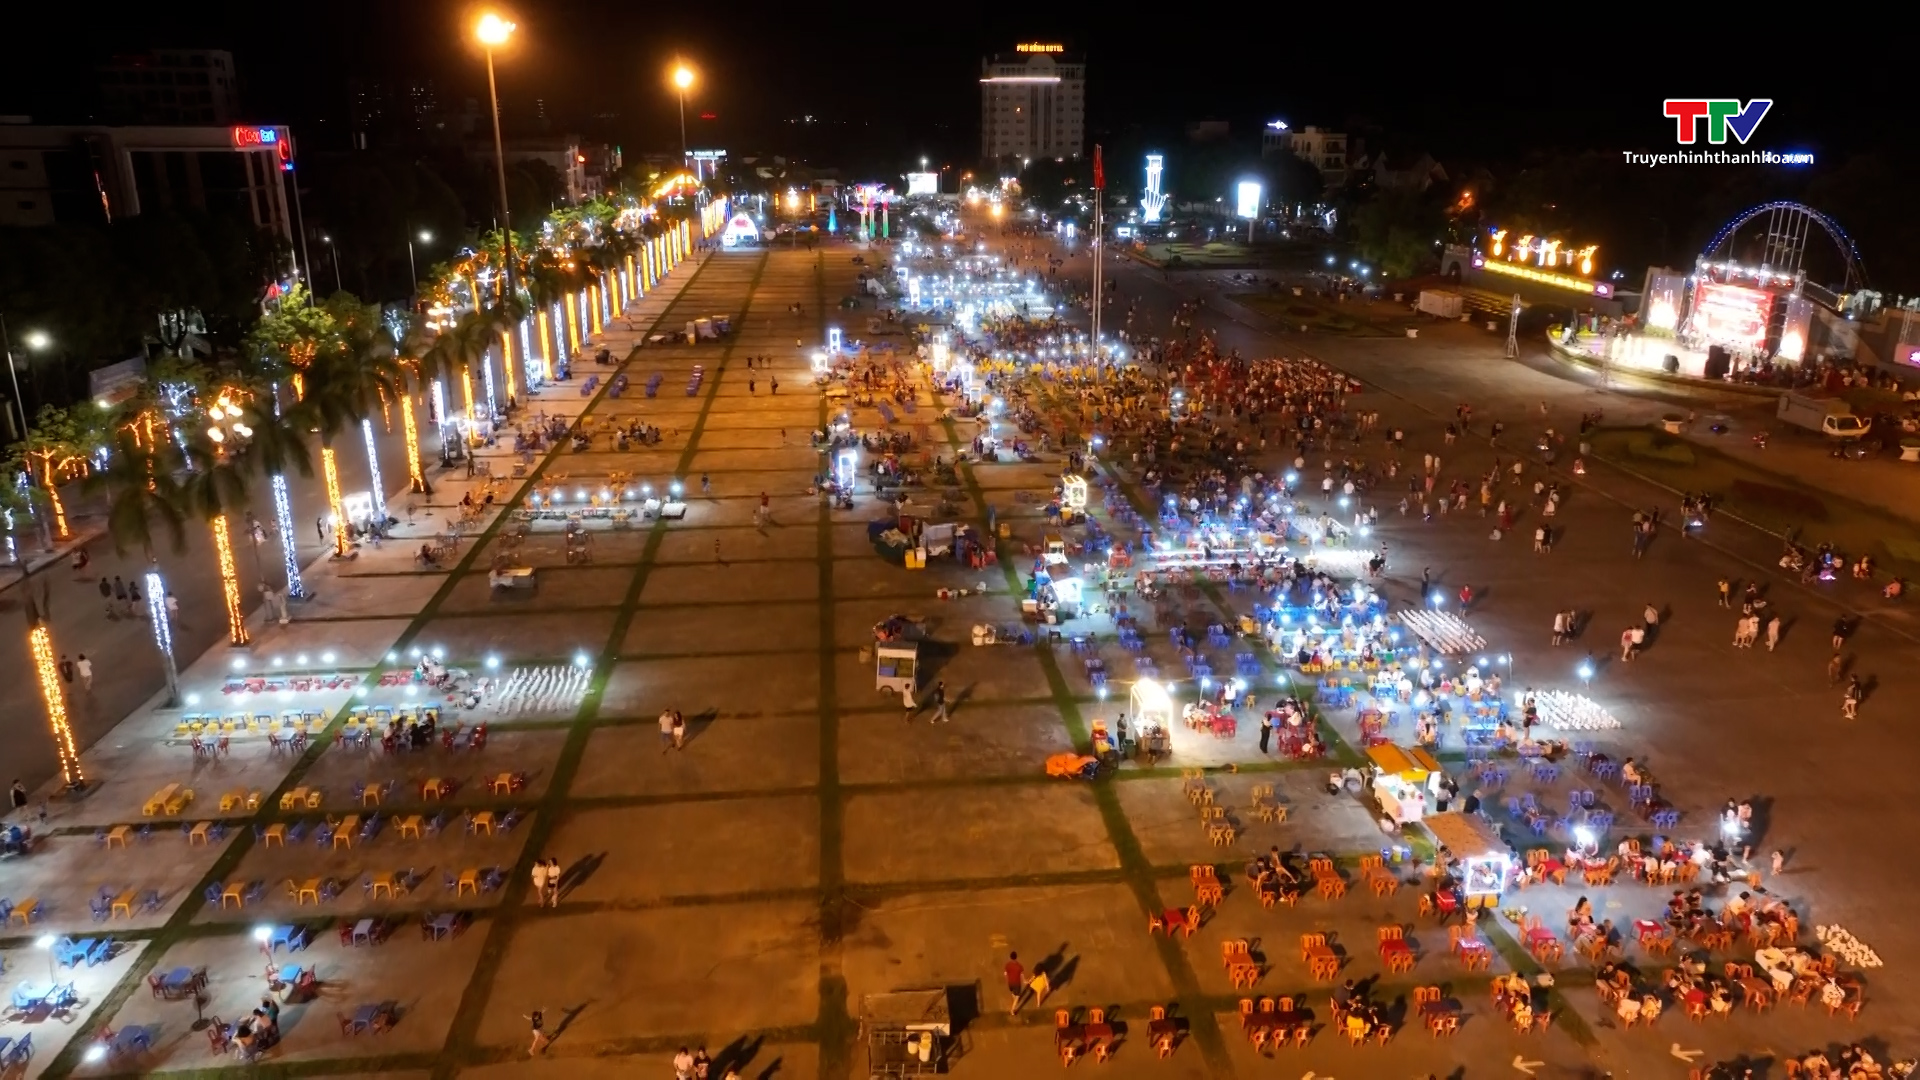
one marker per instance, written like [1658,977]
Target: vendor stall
[1484,860]
[1055,597]
[1153,716]
[907,1032]
[896,667]
[1406,783]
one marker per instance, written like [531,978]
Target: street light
[424,237]
[493,31]
[37,340]
[682,81]
[334,257]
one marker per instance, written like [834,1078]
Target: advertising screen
[1732,315]
[1247,199]
[923,183]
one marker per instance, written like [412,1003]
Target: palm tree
[273,448]
[213,486]
[145,504]
[457,349]
[344,385]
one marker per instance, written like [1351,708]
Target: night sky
[903,82]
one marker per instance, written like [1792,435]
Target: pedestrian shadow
[566,1018]
[738,1054]
[699,722]
[578,874]
[1058,967]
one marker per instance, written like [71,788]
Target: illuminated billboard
[1601,289]
[1247,199]
[1732,314]
[923,183]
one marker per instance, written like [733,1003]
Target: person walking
[1850,704]
[539,882]
[553,882]
[133,599]
[106,598]
[1773,631]
[1266,731]
[1726,593]
[66,669]
[83,667]
[666,731]
[1833,669]
[706,484]
[906,701]
[1016,979]
[1839,633]
[1559,628]
[939,701]
[19,796]
[120,594]
[540,1039]
[679,731]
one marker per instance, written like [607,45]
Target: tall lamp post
[493,31]
[425,238]
[37,340]
[682,81]
[333,256]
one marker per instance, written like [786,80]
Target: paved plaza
[810,846]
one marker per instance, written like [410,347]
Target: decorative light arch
[1788,224]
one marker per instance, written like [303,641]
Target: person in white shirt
[539,881]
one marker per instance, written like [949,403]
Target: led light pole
[494,31]
[682,81]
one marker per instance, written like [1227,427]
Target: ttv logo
[1721,114]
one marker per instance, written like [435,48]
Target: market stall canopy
[1466,835]
[912,1010]
[1411,765]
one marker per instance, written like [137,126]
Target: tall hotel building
[1033,104]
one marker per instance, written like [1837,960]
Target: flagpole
[1099,238]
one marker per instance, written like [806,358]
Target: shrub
[1659,448]
[1797,505]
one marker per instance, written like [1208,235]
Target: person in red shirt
[1016,982]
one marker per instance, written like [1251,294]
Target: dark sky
[905,79]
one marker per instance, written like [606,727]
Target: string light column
[54,694]
[331,469]
[229,583]
[416,480]
[163,633]
[373,470]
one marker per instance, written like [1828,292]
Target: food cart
[1056,597]
[1405,782]
[1055,551]
[1484,859]
[1153,710]
[907,1032]
[896,667]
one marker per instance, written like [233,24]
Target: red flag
[1099,174]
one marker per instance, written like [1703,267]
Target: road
[126,663]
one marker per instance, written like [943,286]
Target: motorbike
[1760,441]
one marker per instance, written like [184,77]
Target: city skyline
[588,64]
